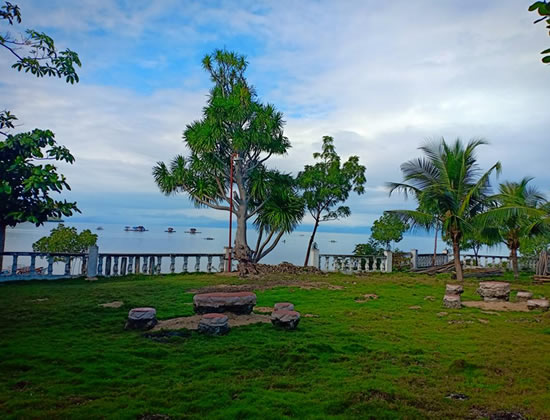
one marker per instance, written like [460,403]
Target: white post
[446,253]
[314,257]
[389,261]
[226,251]
[414,258]
[93,254]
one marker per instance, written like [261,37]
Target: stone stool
[214,324]
[533,304]
[285,319]
[236,302]
[454,289]
[283,306]
[492,291]
[141,319]
[452,301]
[524,296]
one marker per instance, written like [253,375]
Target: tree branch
[273,245]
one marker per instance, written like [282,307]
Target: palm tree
[518,214]
[449,178]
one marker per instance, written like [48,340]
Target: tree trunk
[2,244]
[456,256]
[514,259]
[435,246]
[311,241]
[242,251]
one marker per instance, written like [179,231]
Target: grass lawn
[67,357]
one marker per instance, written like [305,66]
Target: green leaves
[388,228]
[543,9]
[64,239]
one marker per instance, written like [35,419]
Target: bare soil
[266,286]
[192,322]
[114,304]
[497,306]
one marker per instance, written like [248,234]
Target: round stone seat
[141,319]
[452,301]
[285,319]
[454,289]
[283,306]
[524,296]
[214,324]
[235,302]
[492,291]
[533,304]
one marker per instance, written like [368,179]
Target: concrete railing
[346,263]
[39,265]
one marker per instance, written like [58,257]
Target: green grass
[66,357]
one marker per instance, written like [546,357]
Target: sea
[292,247]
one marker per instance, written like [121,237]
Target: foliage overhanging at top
[543,9]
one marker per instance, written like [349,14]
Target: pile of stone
[285,268]
[451,299]
[284,316]
[141,319]
[236,302]
[542,304]
[494,291]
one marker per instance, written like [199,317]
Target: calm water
[114,239]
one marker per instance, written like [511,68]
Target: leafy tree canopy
[543,9]
[63,239]
[388,228]
[372,247]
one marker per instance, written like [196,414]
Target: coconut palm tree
[449,178]
[518,214]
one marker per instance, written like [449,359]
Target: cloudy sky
[380,77]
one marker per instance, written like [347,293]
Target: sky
[380,77]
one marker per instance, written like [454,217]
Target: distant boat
[170,230]
[99,228]
[55,219]
[333,241]
[192,231]
[208,239]
[135,229]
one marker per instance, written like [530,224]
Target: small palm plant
[449,185]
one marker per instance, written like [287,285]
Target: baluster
[185,261]
[151,265]
[50,265]
[33,264]
[115,266]
[100,266]
[197,263]
[84,265]
[130,265]
[172,264]
[136,264]
[108,260]
[14,265]
[220,265]
[67,266]
[209,265]
[144,268]
[159,265]
[123,266]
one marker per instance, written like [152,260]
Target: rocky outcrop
[214,324]
[492,291]
[285,319]
[235,302]
[141,319]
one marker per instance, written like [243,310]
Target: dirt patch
[263,309]
[271,285]
[311,316]
[498,306]
[430,298]
[440,314]
[366,298]
[483,321]
[192,322]
[40,300]
[114,304]
[415,307]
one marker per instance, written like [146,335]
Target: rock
[440,314]
[452,301]
[533,304]
[524,296]
[492,291]
[214,324]
[454,289]
[283,306]
[285,319]
[430,298]
[141,319]
[415,307]
[114,304]
[236,302]
[483,321]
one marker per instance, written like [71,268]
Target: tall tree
[328,183]
[27,184]
[518,215]
[449,177]
[388,228]
[235,137]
